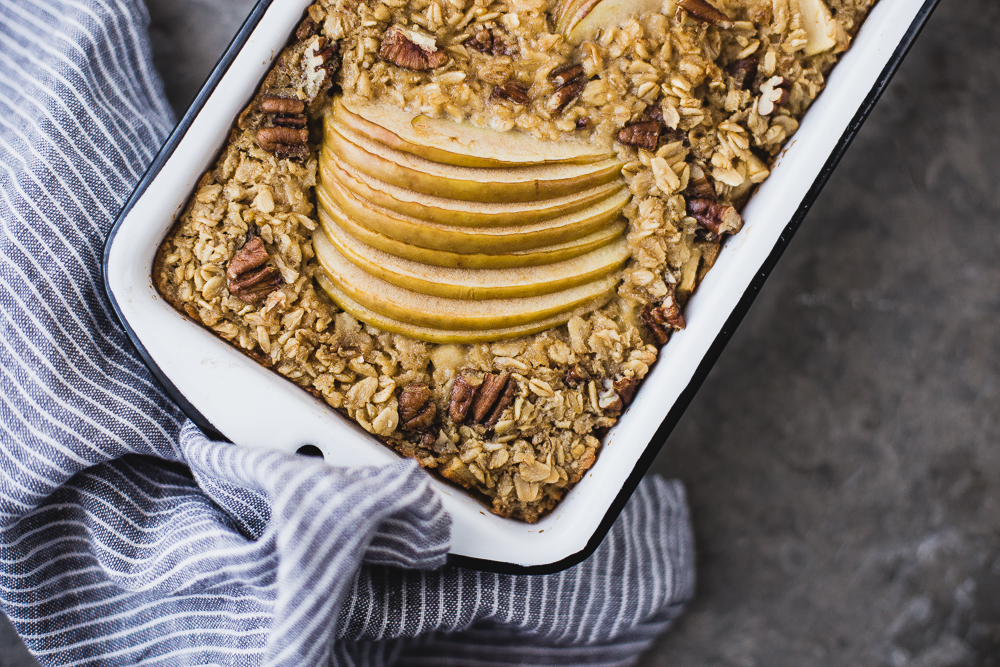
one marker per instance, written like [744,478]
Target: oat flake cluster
[697,104]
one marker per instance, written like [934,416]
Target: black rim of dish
[682,402]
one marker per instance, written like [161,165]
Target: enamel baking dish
[218,387]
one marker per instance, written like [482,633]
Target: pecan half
[287,135]
[645,134]
[699,187]
[250,277]
[274,139]
[252,255]
[706,13]
[744,72]
[625,387]
[515,91]
[565,95]
[282,105]
[576,375]
[329,57]
[488,394]
[566,75]
[462,393]
[486,42]
[716,217]
[482,404]
[506,398]
[402,51]
[569,82]
[655,112]
[306,29]
[663,319]
[254,287]
[416,409]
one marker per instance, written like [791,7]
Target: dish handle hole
[310,450]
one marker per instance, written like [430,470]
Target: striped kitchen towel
[127,537]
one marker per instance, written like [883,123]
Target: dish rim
[685,396]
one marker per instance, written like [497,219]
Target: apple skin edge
[502,260]
[430,335]
[454,283]
[462,146]
[339,202]
[592,16]
[453,314]
[456,212]
[486,185]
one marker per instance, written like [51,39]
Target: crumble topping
[696,100]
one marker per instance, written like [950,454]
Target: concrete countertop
[841,459]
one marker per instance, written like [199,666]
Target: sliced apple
[456,211]
[454,283]
[565,12]
[453,314]
[460,144]
[429,334]
[593,15]
[579,11]
[336,199]
[519,184]
[534,257]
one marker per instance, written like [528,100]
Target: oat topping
[695,98]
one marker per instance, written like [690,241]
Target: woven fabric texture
[127,537]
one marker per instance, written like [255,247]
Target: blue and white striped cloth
[127,537]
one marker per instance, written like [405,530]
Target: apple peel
[534,257]
[520,184]
[457,212]
[453,314]
[430,335]
[590,17]
[456,283]
[337,200]
[459,144]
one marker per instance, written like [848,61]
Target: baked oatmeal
[688,103]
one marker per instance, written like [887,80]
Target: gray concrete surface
[841,459]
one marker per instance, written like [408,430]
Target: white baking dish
[222,389]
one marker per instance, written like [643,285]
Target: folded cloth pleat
[127,537]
